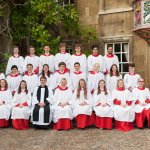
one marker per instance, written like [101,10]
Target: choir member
[14,79]
[141,96]
[2,75]
[82,106]
[76,76]
[46,73]
[124,113]
[41,101]
[5,103]
[102,107]
[131,79]
[94,77]
[21,107]
[63,56]
[48,59]
[59,74]
[62,106]
[78,57]
[31,78]
[112,78]
[110,59]
[17,60]
[32,59]
[95,58]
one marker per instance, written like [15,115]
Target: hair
[131,65]
[64,79]
[76,63]
[117,71]
[109,46]
[62,45]
[6,84]
[61,63]
[48,73]
[14,67]
[79,89]
[43,77]
[141,78]
[94,46]
[29,65]
[99,90]
[19,89]
[77,45]
[118,82]
[16,47]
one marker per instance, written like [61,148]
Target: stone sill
[112,11]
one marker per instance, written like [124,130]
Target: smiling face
[63,82]
[110,50]
[96,67]
[62,49]
[78,49]
[77,67]
[2,83]
[16,50]
[131,70]
[29,68]
[23,85]
[114,68]
[120,84]
[101,84]
[46,49]
[32,51]
[45,68]
[95,50]
[82,83]
[43,81]
[14,70]
[141,82]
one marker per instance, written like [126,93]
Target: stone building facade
[115,21]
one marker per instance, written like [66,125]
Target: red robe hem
[103,122]
[63,124]
[20,124]
[4,123]
[124,126]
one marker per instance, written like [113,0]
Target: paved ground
[88,139]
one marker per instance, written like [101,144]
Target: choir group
[66,88]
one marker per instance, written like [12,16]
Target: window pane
[125,67]
[125,47]
[117,48]
[124,57]
[119,57]
[120,68]
[66,2]
[71,1]
[69,51]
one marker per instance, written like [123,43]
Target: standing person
[61,73]
[94,77]
[63,56]
[30,78]
[95,58]
[5,103]
[124,113]
[21,107]
[46,73]
[78,57]
[131,78]
[110,59]
[76,76]
[14,79]
[17,60]
[82,106]
[48,59]
[103,107]
[63,114]
[2,75]
[112,78]
[141,96]
[32,59]
[42,98]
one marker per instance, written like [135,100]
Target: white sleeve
[15,99]
[34,98]
[8,68]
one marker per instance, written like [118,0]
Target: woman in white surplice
[5,103]
[102,107]
[21,107]
[82,105]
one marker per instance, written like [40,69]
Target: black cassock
[46,107]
